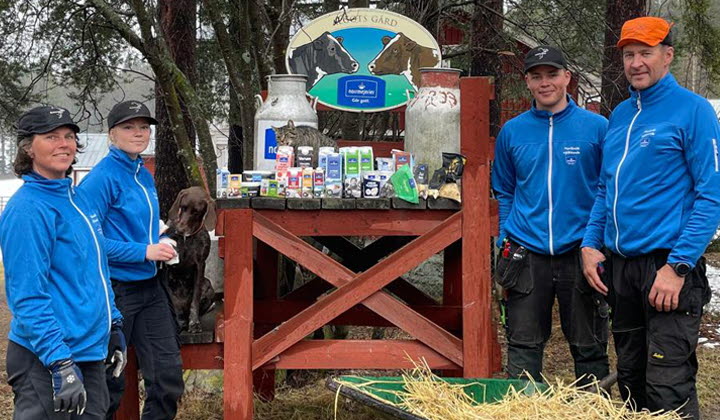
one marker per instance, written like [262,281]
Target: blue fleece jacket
[125,196]
[660,181]
[545,176]
[56,274]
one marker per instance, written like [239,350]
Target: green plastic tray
[381,392]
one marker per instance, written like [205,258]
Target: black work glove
[68,390]
[117,349]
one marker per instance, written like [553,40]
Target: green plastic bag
[404,184]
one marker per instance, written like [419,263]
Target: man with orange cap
[655,213]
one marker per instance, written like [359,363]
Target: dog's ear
[173,213]
[210,216]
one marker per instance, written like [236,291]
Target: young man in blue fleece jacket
[656,211]
[545,177]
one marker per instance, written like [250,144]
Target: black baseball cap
[43,119]
[128,110]
[545,55]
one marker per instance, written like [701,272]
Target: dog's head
[193,210]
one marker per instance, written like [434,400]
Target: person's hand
[591,257]
[159,252]
[117,350]
[68,390]
[665,292]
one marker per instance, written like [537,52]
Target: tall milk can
[286,100]
[432,117]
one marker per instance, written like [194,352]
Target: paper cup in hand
[172,243]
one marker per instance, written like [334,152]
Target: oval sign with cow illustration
[362,60]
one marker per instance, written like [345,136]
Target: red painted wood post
[238,385]
[475,95]
[130,404]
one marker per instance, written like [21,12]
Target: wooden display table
[262,332]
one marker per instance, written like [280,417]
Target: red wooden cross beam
[354,289]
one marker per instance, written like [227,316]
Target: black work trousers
[657,364]
[31,383]
[532,284]
[150,326]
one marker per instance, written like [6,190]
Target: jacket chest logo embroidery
[646,136]
[572,154]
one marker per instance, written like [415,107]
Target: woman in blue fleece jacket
[56,280]
[125,195]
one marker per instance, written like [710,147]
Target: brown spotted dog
[191,217]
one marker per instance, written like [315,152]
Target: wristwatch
[681,269]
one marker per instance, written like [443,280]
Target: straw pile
[429,397]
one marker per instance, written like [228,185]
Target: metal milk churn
[432,117]
[286,100]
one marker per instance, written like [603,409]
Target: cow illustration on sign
[402,55]
[324,55]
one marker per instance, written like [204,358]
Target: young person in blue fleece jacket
[56,280]
[656,211]
[126,198]
[545,177]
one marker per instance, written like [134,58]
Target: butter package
[334,167]
[305,156]
[323,152]
[307,183]
[319,183]
[351,162]
[371,186]
[333,188]
[249,189]
[222,182]
[293,189]
[257,176]
[366,159]
[385,164]
[234,184]
[402,158]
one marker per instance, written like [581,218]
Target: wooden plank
[442,203]
[359,354]
[129,408]
[338,204]
[279,311]
[303,203]
[232,203]
[372,204]
[268,203]
[494,228]
[475,140]
[399,203]
[352,291]
[357,223]
[380,148]
[202,356]
[238,385]
[219,225]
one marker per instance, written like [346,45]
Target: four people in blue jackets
[590,213]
